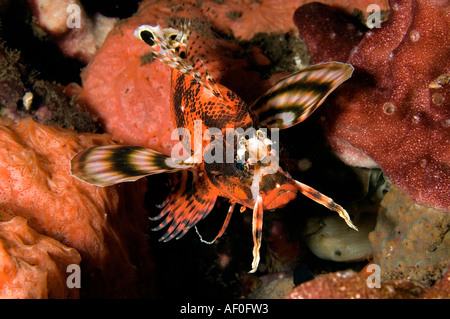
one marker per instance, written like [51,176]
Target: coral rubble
[352,285]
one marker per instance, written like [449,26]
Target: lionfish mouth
[280,196]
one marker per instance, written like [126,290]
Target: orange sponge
[105,225]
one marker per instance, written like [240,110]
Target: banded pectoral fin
[112,164]
[294,98]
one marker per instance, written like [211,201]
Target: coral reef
[23,95]
[244,19]
[130,94]
[58,20]
[105,225]
[33,265]
[410,241]
[67,24]
[394,111]
[49,220]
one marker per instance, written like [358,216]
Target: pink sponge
[395,111]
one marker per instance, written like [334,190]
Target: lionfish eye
[173,37]
[239,164]
[147,37]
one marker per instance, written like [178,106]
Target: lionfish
[199,104]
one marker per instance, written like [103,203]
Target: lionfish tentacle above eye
[112,164]
[170,47]
[295,97]
[177,39]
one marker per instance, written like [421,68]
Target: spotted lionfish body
[202,107]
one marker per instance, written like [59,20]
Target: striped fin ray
[112,164]
[257,224]
[294,98]
[190,200]
[224,226]
[325,201]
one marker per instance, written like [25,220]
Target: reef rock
[275,289]
[352,285]
[394,113]
[410,241]
[329,239]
